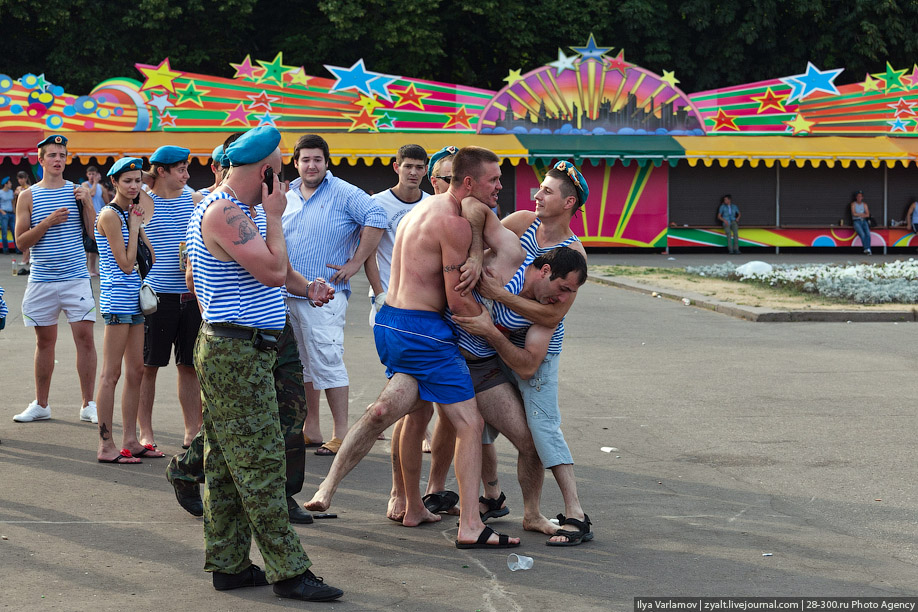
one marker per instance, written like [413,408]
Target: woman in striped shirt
[118,228]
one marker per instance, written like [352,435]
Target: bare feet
[396,509]
[540,524]
[424,516]
[318,503]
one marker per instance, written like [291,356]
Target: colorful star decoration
[892,79]
[913,77]
[158,76]
[274,70]
[898,125]
[387,120]
[245,70]
[723,121]
[460,118]
[409,96]
[513,77]
[591,51]
[160,102]
[812,81]
[669,77]
[902,107]
[167,119]
[359,78]
[298,77]
[870,84]
[370,103]
[564,62]
[769,100]
[191,94]
[799,124]
[237,115]
[618,63]
[268,119]
[261,101]
[364,119]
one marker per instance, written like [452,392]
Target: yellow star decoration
[799,124]
[191,94]
[298,76]
[160,76]
[669,77]
[368,103]
[870,84]
[513,77]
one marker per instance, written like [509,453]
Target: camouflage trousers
[244,463]
[291,406]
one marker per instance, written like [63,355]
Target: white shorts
[320,339]
[43,302]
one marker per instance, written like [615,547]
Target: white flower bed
[892,282]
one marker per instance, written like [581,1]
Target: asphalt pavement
[715,456]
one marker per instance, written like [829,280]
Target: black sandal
[494,507]
[574,538]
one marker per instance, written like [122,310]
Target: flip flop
[441,501]
[147,451]
[574,538]
[121,458]
[330,448]
[503,541]
[310,443]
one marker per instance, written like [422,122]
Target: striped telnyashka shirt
[166,232]
[518,325]
[118,292]
[59,255]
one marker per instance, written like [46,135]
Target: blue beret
[253,146]
[126,164]
[583,190]
[444,152]
[169,155]
[219,157]
[53,139]
[5,180]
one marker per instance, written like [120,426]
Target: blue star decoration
[268,119]
[897,125]
[564,62]
[811,81]
[591,51]
[358,77]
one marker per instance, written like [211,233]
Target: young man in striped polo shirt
[48,222]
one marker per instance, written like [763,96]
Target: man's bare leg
[45,340]
[443,447]
[413,430]
[148,396]
[311,427]
[564,476]
[189,394]
[85,358]
[397,399]
[502,408]
[337,402]
[396,508]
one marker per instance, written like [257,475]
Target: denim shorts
[122,319]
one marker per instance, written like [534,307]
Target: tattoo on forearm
[103,431]
[451,267]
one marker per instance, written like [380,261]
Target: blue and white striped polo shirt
[226,291]
[166,231]
[59,255]
[516,324]
[118,292]
[326,229]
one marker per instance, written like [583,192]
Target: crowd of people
[251,284]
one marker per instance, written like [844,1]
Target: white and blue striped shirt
[226,291]
[59,255]
[118,292]
[326,229]
[531,244]
[3,309]
[166,232]
[517,325]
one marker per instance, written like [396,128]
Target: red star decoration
[167,119]
[262,100]
[460,117]
[617,63]
[410,96]
[237,114]
[902,107]
[363,120]
[768,100]
[723,121]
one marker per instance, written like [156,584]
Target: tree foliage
[708,43]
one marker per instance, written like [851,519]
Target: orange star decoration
[364,120]
[770,100]
[723,121]
[460,117]
[799,124]
[167,119]
[159,76]
[410,96]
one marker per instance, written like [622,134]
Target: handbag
[149,301]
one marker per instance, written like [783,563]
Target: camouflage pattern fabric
[291,405]
[244,463]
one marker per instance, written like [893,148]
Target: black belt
[263,340]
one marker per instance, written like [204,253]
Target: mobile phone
[269,179]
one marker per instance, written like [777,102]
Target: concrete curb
[761,315]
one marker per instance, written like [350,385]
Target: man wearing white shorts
[49,223]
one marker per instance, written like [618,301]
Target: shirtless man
[419,346]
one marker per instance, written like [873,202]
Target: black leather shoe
[252,576]
[188,495]
[306,587]
[297,514]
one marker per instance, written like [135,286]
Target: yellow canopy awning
[797,150]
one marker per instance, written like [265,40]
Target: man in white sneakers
[50,223]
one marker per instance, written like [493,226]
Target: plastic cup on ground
[518,562]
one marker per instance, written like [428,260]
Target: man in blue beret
[332,227]
[237,276]
[49,222]
[174,325]
[219,166]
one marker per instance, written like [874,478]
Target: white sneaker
[88,413]
[33,413]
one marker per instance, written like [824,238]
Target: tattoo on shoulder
[247,231]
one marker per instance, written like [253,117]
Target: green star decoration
[892,79]
[191,94]
[274,70]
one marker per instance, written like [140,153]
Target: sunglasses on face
[445,179]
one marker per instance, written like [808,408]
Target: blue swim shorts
[423,345]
